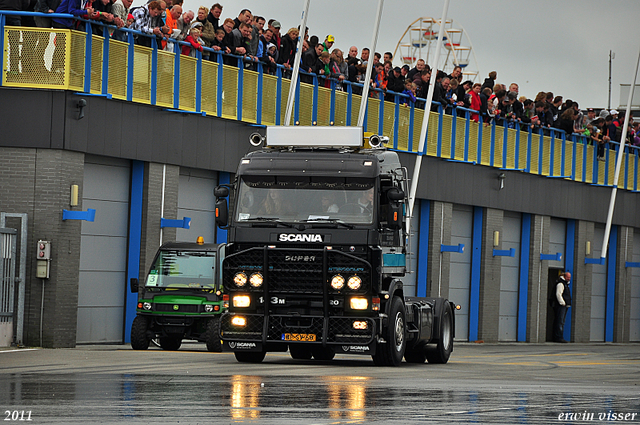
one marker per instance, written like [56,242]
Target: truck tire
[391,353]
[212,335]
[442,351]
[300,352]
[250,356]
[139,338]
[323,353]
[170,344]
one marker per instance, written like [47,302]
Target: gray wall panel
[103,251]
[557,241]
[460,267]
[100,324]
[509,276]
[110,285]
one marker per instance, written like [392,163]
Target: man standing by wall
[561,301]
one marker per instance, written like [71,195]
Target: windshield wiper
[270,220]
[335,221]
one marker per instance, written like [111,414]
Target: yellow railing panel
[340,116]
[389,120]
[249,96]
[447,120]
[164,82]
[230,92]
[75,59]
[418,118]
[142,74]
[305,109]
[118,63]
[498,147]
[35,58]
[96,63]
[403,127]
[511,148]
[187,93]
[269,98]
[373,112]
[286,84]
[324,106]
[209,88]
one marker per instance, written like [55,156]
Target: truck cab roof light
[200,240]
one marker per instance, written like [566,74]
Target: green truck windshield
[343,201]
[183,269]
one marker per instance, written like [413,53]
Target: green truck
[181,298]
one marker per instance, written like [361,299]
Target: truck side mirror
[221,192]
[395,194]
[222,212]
[133,284]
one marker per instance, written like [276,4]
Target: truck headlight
[240,279]
[354,283]
[146,306]
[337,282]
[256,280]
[241,301]
[359,303]
[208,308]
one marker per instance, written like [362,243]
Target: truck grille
[182,308]
[295,271]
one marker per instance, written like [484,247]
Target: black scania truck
[317,250]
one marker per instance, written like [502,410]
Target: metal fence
[85,62]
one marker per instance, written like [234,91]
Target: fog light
[146,306]
[256,280]
[140,305]
[359,325]
[359,303]
[337,282]
[240,279]
[241,301]
[208,308]
[354,283]
[216,308]
[239,321]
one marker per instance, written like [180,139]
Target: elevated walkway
[38,58]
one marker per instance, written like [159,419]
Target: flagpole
[614,191]
[427,109]
[367,78]
[296,65]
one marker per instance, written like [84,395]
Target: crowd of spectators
[255,40]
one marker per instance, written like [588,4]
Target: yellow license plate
[299,337]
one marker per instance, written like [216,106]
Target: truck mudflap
[287,329]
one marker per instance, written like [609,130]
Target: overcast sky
[547,45]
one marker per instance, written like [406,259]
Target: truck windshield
[306,200]
[183,269]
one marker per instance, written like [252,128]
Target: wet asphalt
[482,383]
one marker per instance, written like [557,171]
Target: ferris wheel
[419,41]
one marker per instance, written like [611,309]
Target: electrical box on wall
[43,258]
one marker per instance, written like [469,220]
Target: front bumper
[287,329]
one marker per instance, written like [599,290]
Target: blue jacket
[72,7]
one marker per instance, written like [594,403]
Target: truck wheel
[250,356]
[212,335]
[139,338]
[300,352]
[415,355]
[323,353]
[391,353]
[441,352]
[170,344]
